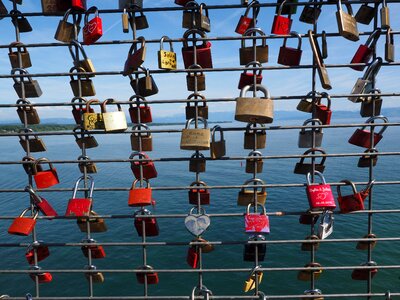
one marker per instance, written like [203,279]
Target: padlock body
[166,60]
[32,116]
[25,58]
[368,109]
[256,223]
[203,53]
[45,179]
[217,149]
[195,139]
[255,140]
[204,195]
[45,208]
[91,167]
[347,26]
[201,82]
[362,138]
[87,87]
[362,55]
[22,226]
[95,224]
[65,32]
[144,112]
[89,141]
[310,246]
[93,121]
[96,251]
[350,203]
[281,25]
[152,278]
[323,113]
[289,56]
[365,161]
[202,111]
[365,14]
[254,110]
[35,145]
[149,170]
[32,89]
[192,257]
[247,78]
[244,24]
[92,31]
[197,165]
[385,17]
[140,197]
[42,253]
[320,197]
[246,197]
[79,207]
[249,253]
[246,54]
[309,16]
[115,121]
[134,60]
[304,168]
[42,277]
[359,274]
[146,143]
[150,226]
[254,165]
[306,139]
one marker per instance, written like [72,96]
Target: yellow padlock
[250,283]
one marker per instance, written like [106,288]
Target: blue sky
[225,54]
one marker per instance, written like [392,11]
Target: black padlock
[249,253]
[19,20]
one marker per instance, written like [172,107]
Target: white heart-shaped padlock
[197,224]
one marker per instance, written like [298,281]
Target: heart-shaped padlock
[196,224]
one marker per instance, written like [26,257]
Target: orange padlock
[44,178]
[140,196]
[23,225]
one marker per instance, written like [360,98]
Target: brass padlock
[36,144]
[146,86]
[304,168]
[197,163]
[81,60]
[125,21]
[27,109]
[82,86]
[254,164]
[135,56]
[202,110]
[371,106]
[96,224]
[195,138]
[217,148]
[31,87]
[246,54]
[347,24]
[389,46]
[385,17]
[20,51]
[255,137]
[91,167]
[319,60]
[306,275]
[19,20]
[92,120]
[254,109]
[310,138]
[202,20]
[141,141]
[66,32]
[310,246]
[251,192]
[365,160]
[96,277]
[195,79]
[166,59]
[364,245]
[255,275]
[113,121]
[306,103]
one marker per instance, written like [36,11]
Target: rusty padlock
[251,192]
[255,136]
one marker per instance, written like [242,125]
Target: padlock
[202,109]
[346,22]
[130,3]
[365,245]
[93,29]
[28,166]
[281,25]
[166,59]
[325,227]
[82,86]
[151,277]
[25,108]
[363,85]
[140,21]
[366,13]
[52,7]
[96,277]
[147,225]
[23,225]
[145,86]
[84,139]
[79,5]
[389,46]
[139,110]
[246,54]
[197,163]
[304,168]
[245,22]
[200,193]
[86,164]
[306,103]
[42,252]
[95,223]
[35,144]
[135,56]
[362,137]
[248,78]
[254,164]
[44,178]
[66,32]
[78,112]
[22,51]
[365,51]
[113,121]
[80,207]
[365,160]
[290,56]
[148,169]
[251,193]
[31,87]
[42,277]
[307,275]
[192,257]
[182,2]
[254,109]
[364,274]
[308,218]
[288,9]
[310,13]
[310,246]
[198,223]
[91,119]
[82,62]
[142,140]
[140,196]
[194,18]
[250,282]
[195,79]
[203,51]
[20,21]
[352,202]
[202,244]
[310,138]
[256,222]
[319,60]
[313,292]
[217,148]
[40,203]
[125,21]
[319,195]
[385,15]
[255,251]
[323,112]
[371,106]
[195,138]
[255,136]
[96,251]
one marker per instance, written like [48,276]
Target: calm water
[222,201]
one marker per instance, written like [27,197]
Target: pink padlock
[256,222]
[319,195]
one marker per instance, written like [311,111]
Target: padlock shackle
[313,292]
[373,69]
[373,38]
[256,30]
[199,209]
[195,96]
[80,48]
[195,66]
[23,101]
[198,183]
[188,122]
[347,182]
[89,11]
[110,101]
[255,186]
[296,34]
[17,45]
[369,186]
[197,155]
[314,150]
[255,128]
[35,215]
[78,71]
[138,126]
[255,153]
[201,7]
[328,99]
[26,137]
[348,6]
[193,31]
[164,38]
[68,12]
[192,3]
[39,161]
[281,7]
[88,103]
[139,100]
[32,193]
[140,40]
[380,117]
[253,63]
[82,101]
[91,186]
[319,174]
[259,87]
[214,129]
[311,121]
[264,211]
[251,5]
[22,72]
[140,154]
[137,180]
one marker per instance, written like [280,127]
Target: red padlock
[42,204]
[42,277]
[319,195]
[182,2]
[352,202]
[245,22]
[308,218]
[247,78]
[135,57]
[64,5]
[96,251]
[80,207]
[281,25]
[140,196]
[323,112]
[203,52]
[149,170]
[44,178]
[140,109]
[195,193]
[78,112]
[364,52]
[363,274]
[362,137]
[42,252]
[152,277]
[150,224]
[93,29]
[192,257]
[256,222]
[290,56]
[23,225]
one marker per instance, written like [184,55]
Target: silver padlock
[325,227]
[306,136]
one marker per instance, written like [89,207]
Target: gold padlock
[113,121]
[217,148]
[92,120]
[97,277]
[82,86]
[251,192]
[195,78]
[306,103]
[36,144]
[347,24]
[141,141]
[166,59]
[32,116]
[255,276]
[385,17]
[66,32]
[90,166]
[254,164]
[202,109]
[255,137]
[96,224]
[306,275]
[85,63]
[246,54]
[23,52]
[195,138]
